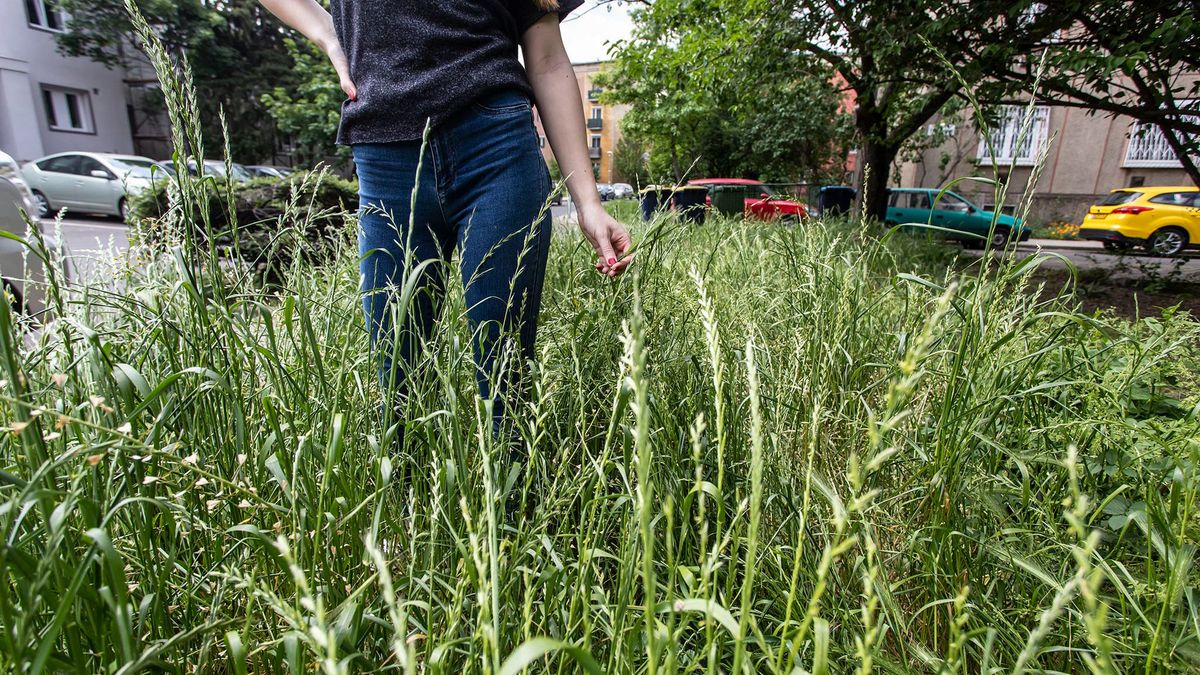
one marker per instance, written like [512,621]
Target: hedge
[277,219]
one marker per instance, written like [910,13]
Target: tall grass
[765,449]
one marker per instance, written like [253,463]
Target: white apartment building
[50,102]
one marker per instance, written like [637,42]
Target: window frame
[1193,201]
[1015,148]
[951,198]
[71,159]
[43,11]
[1144,138]
[53,115]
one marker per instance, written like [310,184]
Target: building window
[1148,146]
[43,14]
[541,141]
[68,110]
[597,112]
[1012,140]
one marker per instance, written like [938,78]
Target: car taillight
[1132,210]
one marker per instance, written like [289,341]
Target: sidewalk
[1064,244]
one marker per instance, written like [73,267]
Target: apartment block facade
[50,102]
[1067,158]
[603,123]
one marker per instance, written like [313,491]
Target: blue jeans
[482,190]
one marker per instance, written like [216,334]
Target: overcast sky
[587,30]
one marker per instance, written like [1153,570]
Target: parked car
[17,266]
[216,167]
[954,212]
[606,191]
[622,191]
[90,182]
[267,171]
[1166,220]
[759,201]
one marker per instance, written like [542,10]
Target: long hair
[547,5]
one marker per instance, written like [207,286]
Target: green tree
[629,161]
[309,111]
[236,50]
[705,104]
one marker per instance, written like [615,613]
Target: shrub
[277,220]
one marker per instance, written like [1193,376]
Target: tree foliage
[906,63]
[235,48]
[309,110]
[1138,59]
[706,105]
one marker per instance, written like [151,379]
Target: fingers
[608,258]
[349,88]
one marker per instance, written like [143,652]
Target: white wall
[28,60]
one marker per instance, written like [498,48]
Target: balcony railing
[594,153]
[594,94]
[595,123]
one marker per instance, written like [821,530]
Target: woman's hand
[340,64]
[608,236]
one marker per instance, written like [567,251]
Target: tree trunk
[877,167]
[877,154]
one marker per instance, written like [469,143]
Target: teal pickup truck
[952,212]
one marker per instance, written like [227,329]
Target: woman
[451,66]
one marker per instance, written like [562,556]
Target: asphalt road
[93,242]
[1087,256]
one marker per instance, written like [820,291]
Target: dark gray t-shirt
[412,60]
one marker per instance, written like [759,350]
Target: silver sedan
[87,182]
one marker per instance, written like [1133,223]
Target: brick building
[603,123]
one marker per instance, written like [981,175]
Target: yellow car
[1166,220]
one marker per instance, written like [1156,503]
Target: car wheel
[1000,237]
[1167,242]
[123,209]
[42,204]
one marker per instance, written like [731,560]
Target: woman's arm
[315,23]
[557,93]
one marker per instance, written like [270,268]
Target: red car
[761,202]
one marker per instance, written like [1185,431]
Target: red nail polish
[611,261]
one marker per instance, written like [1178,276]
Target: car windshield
[759,188]
[215,168]
[1120,197]
[131,166]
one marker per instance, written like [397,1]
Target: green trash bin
[729,200]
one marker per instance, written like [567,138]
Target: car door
[1178,208]
[913,207]
[96,193]
[58,180]
[758,205]
[953,212]
[1194,219]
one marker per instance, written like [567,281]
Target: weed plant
[765,449]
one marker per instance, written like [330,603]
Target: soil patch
[1128,299]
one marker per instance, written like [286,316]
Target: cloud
[588,30]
